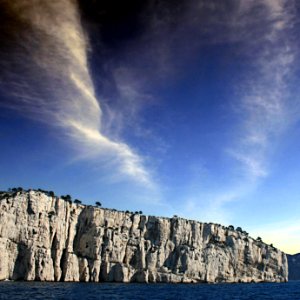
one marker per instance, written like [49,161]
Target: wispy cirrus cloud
[261,37]
[44,66]
[261,34]
[264,104]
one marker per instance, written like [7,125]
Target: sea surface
[42,290]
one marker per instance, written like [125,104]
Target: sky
[187,108]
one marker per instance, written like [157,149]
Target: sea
[42,290]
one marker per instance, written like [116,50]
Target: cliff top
[12,192]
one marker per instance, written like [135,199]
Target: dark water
[36,290]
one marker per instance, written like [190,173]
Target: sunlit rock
[49,239]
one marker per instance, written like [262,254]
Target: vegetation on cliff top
[12,192]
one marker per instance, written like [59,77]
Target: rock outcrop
[49,239]
[294,266]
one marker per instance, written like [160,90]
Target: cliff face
[294,266]
[46,238]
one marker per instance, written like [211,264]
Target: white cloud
[55,86]
[263,97]
[260,33]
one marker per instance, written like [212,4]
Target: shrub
[77,201]
[98,203]
[66,197]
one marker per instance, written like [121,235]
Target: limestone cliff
[49,239]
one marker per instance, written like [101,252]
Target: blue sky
[189,108]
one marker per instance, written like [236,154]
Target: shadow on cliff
[22,264]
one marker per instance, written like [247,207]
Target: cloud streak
[264,99]
[260,35]
[45,68]
[262,32]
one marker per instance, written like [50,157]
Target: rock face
[294,266]
[49,239]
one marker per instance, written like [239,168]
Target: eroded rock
[49,239]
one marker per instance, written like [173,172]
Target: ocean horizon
[223,291]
